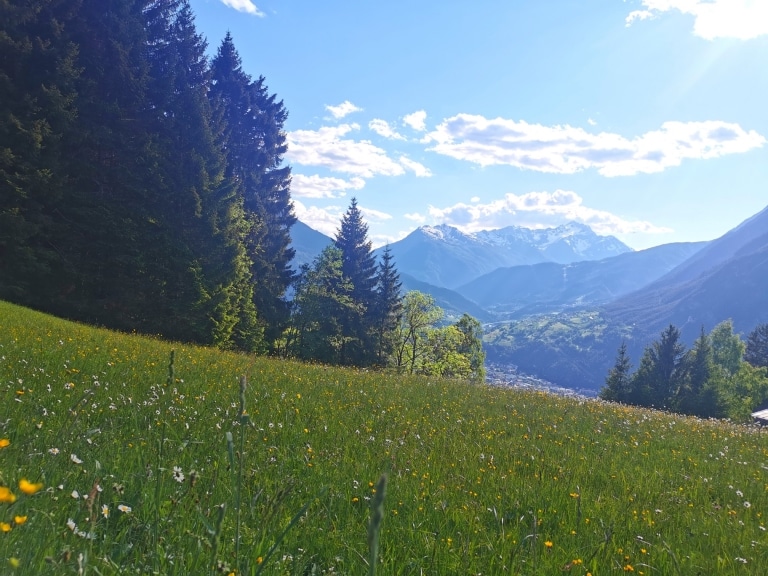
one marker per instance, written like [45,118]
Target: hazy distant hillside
[728,278]
[549,286]
[307,242]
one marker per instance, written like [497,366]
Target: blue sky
[645,119]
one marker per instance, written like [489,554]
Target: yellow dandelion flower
[4,442]
[548,544]
[6,496]
[19,520]
[5,527]
[28,487]
[259,560]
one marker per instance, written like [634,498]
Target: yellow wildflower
[548,544]
[28,487]
[5,527]
[19,520]
[6,496]
[4,442]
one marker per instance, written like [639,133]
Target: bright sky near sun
[645,119]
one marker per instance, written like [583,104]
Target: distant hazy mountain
[727,279]
[548,286]
[444,256]
[307,242]
[452,303]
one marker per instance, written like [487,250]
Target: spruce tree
[253,141]
[756,352]
[619,379]
[38,81]
[359,267]
[388,305]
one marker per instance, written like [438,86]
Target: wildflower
[53,451]
[28,487]
[747,504]
[178,475]
[19,520]
[75,459]
[6,496]
[71,524]
[548,544]
[124,509]
[105,511]
[75,494]
[629,568]
[5,527]
[4,442]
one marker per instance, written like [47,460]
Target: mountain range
[557,303]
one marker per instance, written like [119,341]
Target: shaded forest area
[142,186]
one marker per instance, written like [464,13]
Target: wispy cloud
[416,217]
[317,186]
[382,128]
[244,6]
[343,109]
[742,19]
[327,147]
[419,170]
[538,210]
[416,120]
[567,150]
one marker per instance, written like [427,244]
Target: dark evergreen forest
[142,184]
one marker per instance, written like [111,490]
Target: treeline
[720,376]
[349,310]
[142,185]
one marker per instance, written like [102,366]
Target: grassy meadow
[122,454]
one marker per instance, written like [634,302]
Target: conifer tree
[756,352]
[253,141]
[38,78]
[618,381]
[359,267]
[388,305]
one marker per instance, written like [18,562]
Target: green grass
[478,480]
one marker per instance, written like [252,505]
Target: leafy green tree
[743,391]
[323,299]
[388,305]
[420,313]
[756,352]
[359,267]
[727,347]
[471,346]
[441,356]
[618,382]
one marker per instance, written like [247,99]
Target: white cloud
[566,150]
[325,220]
[327,147]
[382,128]
[372,215]
[475,199]
[343,109]
[416,217]
[742,19]
[416,120]
[591,122]
[538,210]
[317,186]
[243,6]
[419,170]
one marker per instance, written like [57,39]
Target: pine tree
[253,141]
[619,379]
[661,371]
[756,352]
[388,305]
[359,267]
[38,81]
